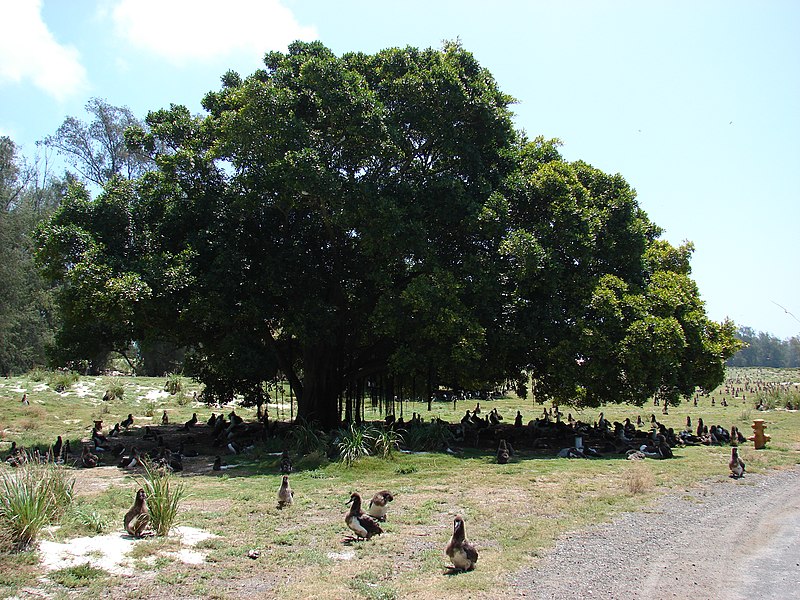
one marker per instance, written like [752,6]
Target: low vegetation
[513,511]
[32,496]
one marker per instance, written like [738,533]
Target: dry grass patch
[639,480]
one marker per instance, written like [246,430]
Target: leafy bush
[183,398]
[386,442]
[34,496]
[174,383]
[353,442]
[62,380]
[164,496]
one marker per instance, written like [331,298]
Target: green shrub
[174,383]
[62,380]
[353,442]
[164,496]
[32,497]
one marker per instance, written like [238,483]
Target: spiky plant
[164,496]
[386,442]
[353,442]
[32,497]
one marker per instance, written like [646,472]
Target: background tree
[27,319]
[97,149]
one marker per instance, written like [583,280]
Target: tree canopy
[344,219]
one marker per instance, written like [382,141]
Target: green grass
[512,512]
[77,576]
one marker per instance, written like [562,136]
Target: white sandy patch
[110,552]
[348,555]
[82,390]
[154,395]
[20,390]
[40,387]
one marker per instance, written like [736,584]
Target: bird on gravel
[285,493]
[736,464]
[380,504]
[362,524]
[461,552]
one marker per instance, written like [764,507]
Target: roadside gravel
[724,539]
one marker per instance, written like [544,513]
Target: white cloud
[28,51]
[185,30]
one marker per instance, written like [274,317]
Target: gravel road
[725,540]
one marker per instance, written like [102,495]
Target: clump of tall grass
[164,495]
[434,436]
[115,391]
[354,442]
[37,374]
[778,398]
[150,408]
[386,442]
[174,383]
[32,497]
[61,381]
[307,439]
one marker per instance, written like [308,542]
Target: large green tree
[340,219]
[27,318]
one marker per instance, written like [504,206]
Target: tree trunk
[319,400]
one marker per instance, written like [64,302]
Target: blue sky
[696,104]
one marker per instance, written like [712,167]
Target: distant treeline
[765,350]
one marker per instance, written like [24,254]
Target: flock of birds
[234,436]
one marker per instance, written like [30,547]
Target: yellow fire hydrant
[759,438]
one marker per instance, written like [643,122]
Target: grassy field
[513,512]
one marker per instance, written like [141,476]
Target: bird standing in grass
[137,519]
[285,493]
[362,524]
[461,552]
[736,464]
[380,504]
